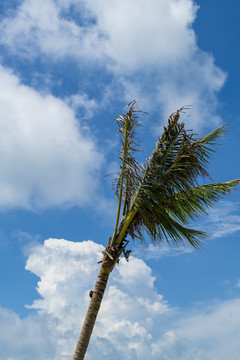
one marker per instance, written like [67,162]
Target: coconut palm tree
[157,199]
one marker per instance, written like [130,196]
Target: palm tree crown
[161,196]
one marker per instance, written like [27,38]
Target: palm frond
[125,183]
[213,136]
[160,225]
[192,203]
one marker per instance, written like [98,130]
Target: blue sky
[67,69]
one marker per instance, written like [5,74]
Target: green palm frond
[166,191]
[213,136]
[160,225]
[191,203]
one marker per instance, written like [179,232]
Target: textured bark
[108,264]
[91,316]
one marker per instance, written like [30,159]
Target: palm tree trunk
[111,256]
[91,316]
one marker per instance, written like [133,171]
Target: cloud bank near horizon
[134,320]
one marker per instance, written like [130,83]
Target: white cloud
[55,263]
[40,27]
[129,274]
[194,82]
[134,321]
[25,338]
[221,334]
[128,33]
[134,31]
[46,159]
[208,332]
[149,47]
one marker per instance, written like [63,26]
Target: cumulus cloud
[67,272]
[150,48]
[135,31]
[114,31]
[134,322]
[46,159]
[25,338]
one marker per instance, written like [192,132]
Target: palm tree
[158,198]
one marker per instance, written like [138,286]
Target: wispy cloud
[155,252]
[222,220]
[82,103]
